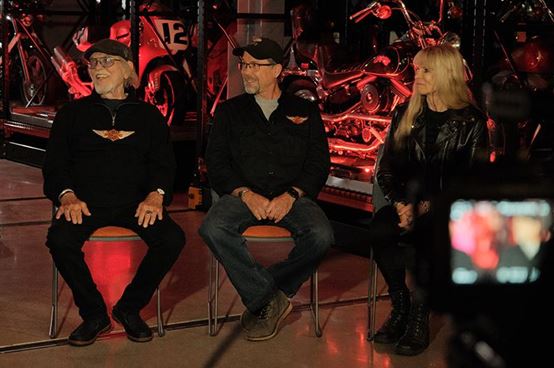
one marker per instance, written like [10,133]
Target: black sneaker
[89,330]
[137,330]
[269,318]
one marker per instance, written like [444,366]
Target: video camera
[490,266]
[492,240]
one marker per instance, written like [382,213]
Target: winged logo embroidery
[297,119]
[113,134]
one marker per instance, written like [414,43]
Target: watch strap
[293,193]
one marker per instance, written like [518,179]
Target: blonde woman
[431,139]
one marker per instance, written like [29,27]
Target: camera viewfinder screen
[498,241]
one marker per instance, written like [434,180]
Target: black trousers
[396,250]
[165,240]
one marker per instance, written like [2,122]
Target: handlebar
[359,15]
[417,29]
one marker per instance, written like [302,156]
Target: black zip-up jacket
[459,138]
[105,173]
[245,149]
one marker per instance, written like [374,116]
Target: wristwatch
[293,193]
[160,191]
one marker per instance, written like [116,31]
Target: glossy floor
[25,284]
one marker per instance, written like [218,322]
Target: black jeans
[165,240]
[222,229]
[396,250]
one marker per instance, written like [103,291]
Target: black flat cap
[262,48]
[110,47]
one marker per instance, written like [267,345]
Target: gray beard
[252,91]
[104,90]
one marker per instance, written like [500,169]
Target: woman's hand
[406,215]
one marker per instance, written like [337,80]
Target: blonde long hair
[447,65]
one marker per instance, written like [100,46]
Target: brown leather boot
[395,325]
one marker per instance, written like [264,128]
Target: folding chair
[104,234]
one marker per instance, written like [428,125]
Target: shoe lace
[418,321]
[264,313]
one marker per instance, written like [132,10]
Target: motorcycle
[526,66]
[32,57]
[356,101]
[165,75]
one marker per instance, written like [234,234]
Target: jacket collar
[446,130]
[131,96]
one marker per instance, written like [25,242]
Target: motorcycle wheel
[38,72]
[169,98]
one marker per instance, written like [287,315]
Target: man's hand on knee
[279,207]
[72,208]
[256,203]
[150,210]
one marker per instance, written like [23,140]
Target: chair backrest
[377,196]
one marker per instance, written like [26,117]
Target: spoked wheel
[34,89]
[168,98]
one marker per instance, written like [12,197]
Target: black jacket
[245,149]
[459,138]
[102,172]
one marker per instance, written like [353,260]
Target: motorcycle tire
[37,90]
[171,98]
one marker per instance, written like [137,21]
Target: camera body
[481,224]
[495,299]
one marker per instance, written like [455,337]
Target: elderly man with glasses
[109,162]
[267,158]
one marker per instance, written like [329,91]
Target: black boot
[395,325]
[416,338]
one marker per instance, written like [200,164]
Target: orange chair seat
[113,232]
[266,231]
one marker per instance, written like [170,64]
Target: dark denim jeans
[222,229]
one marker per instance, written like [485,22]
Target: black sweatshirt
[102,172]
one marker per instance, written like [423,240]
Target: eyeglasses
[254,66]
[106,62]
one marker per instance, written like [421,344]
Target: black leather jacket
[459,138]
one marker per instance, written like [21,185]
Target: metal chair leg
[314,302]
[161,329]
[372,297]
[213,286]
[53,330]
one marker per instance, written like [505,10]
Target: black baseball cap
[262,48]
[110,47]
